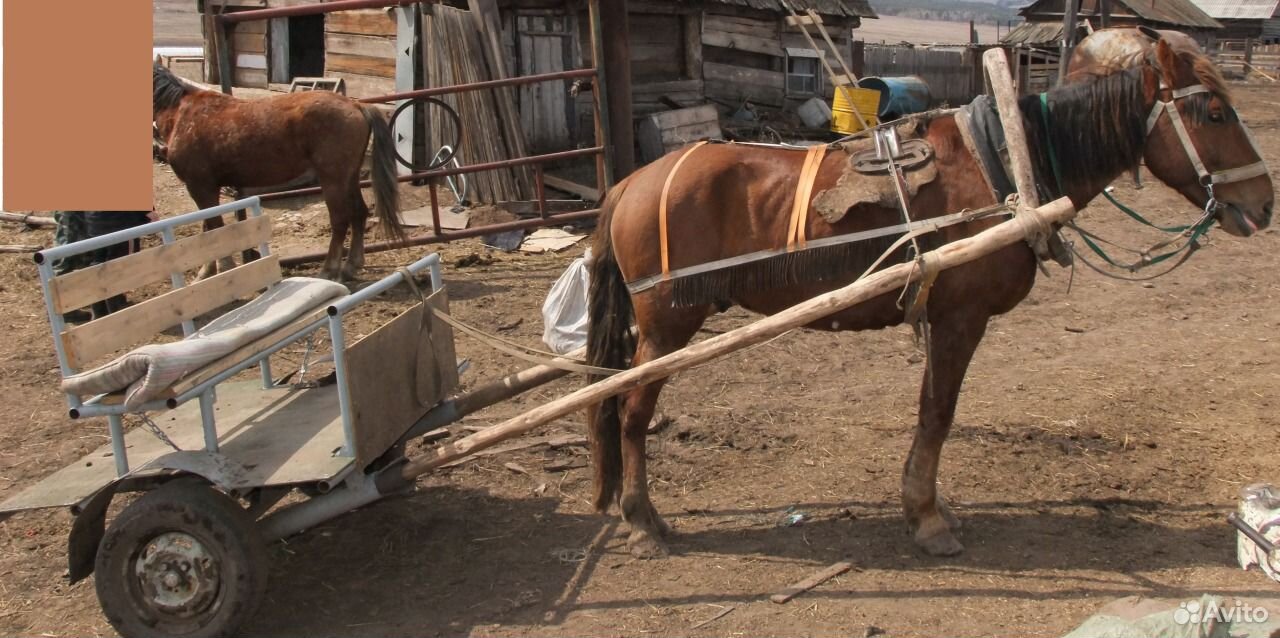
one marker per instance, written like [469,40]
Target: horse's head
[1197,144]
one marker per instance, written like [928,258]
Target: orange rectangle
[77,127]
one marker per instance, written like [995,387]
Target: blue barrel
[899,96]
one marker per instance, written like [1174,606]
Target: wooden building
[684,54]
[1258,20]
[357,46]
[1043,26]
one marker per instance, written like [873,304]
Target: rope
[520,351]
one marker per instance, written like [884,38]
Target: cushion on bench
[147,371]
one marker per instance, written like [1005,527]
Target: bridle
[1207,179]
[1167,103]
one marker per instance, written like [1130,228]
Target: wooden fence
[1242,57]
[954,73]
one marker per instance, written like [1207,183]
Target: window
[804,77]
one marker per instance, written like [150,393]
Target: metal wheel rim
[175,577]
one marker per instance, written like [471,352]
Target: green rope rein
[1193,231]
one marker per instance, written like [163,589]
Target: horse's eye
[1217,117]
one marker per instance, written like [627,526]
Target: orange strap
[804,193]
[662,208]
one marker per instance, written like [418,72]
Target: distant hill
[982,11]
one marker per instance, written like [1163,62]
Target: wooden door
[545,45]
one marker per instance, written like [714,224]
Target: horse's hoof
[644,546]
[940,544]
[944,510]
[348,273]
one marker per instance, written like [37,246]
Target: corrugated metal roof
[1239,9]
[841,8]
[1034,33]
[1177,13]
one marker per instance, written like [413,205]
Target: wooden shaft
[1006,95]
[874,285]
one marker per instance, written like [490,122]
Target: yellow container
[843,119]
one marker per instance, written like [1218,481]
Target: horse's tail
[610,345]
[386,191]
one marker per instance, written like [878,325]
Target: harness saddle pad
[866,179]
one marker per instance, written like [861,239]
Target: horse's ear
[1168,61]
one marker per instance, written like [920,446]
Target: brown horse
[730,200]
[215,140]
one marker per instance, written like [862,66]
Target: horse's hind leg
[952,344]
[248,254]
[647,527]
[359,220]
[337,200]
[207,197]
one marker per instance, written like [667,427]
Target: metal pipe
[537,222]
[344,305]
[357,491]
[339,338]
[476,86]
[312,9]
[446,172]
[1253,534]
[116,425]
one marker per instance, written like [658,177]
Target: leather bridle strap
[662,208]
[1207,178]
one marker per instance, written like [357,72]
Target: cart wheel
[183,560]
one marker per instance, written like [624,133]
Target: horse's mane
[166,89]
[1101,124]
[1104,121]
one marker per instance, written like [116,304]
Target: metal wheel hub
[177,575]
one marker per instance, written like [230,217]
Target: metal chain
[159,434]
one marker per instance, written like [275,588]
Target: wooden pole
[1070,18]
[1104,6]
[616,63]
[997,65]
[30,220]
[883,282]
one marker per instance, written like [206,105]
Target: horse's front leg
[207,197]
[248,254]
[953,341]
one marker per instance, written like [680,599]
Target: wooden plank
[887,281]
[251,61]
[560,183]
[755,44]
[366,45]
[692,30]
[397,373]
[249,42]
[87,342]
[359,86]
[251,26]
[811,582]
[251,78]
[734,83]
[745,26]
[803,20]
[361,22]
[80,288]
[361,64]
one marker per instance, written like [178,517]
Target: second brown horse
[216,140]
[730,200]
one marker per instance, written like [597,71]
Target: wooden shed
[1043,24]
[357,46]
[684,54]
[1245,19]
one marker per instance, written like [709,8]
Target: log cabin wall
[358,46]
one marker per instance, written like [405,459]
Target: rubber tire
[221,525]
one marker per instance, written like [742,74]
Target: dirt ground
[1102,436]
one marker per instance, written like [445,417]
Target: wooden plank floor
[281,436]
